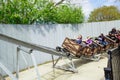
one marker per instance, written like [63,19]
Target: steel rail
[31,45]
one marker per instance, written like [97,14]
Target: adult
[112,34]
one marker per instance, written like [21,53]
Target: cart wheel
[78,56]
[58,49]
[65,50]
[68,54]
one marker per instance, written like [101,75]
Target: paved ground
[87,70]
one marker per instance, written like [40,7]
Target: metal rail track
[31,45]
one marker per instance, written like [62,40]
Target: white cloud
[87,8]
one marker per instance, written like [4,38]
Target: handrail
[31,45]
[109,71]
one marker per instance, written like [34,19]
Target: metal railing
[112,72]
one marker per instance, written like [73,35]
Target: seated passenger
[102,40]
[88,41]
[79,39]
[118,37]
[93,47]
[112,34]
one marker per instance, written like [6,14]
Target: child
[88,41]
[79,39]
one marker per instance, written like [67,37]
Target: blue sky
[90,5]
[99,3]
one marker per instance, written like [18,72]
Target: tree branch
[59,2]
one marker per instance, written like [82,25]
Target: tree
[17,12]
[69,14]
[105,13]
[47,13]
[38,11]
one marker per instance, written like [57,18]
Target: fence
[46,35]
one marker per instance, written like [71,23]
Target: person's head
[80,37]
[88,37]
[118,31]
[114,29]
[101,34]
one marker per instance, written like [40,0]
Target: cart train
[99,44]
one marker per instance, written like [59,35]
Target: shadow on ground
[58,74]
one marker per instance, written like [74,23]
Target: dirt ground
[87,70]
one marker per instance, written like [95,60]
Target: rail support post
[71,66]
[35,65]
[17,63]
